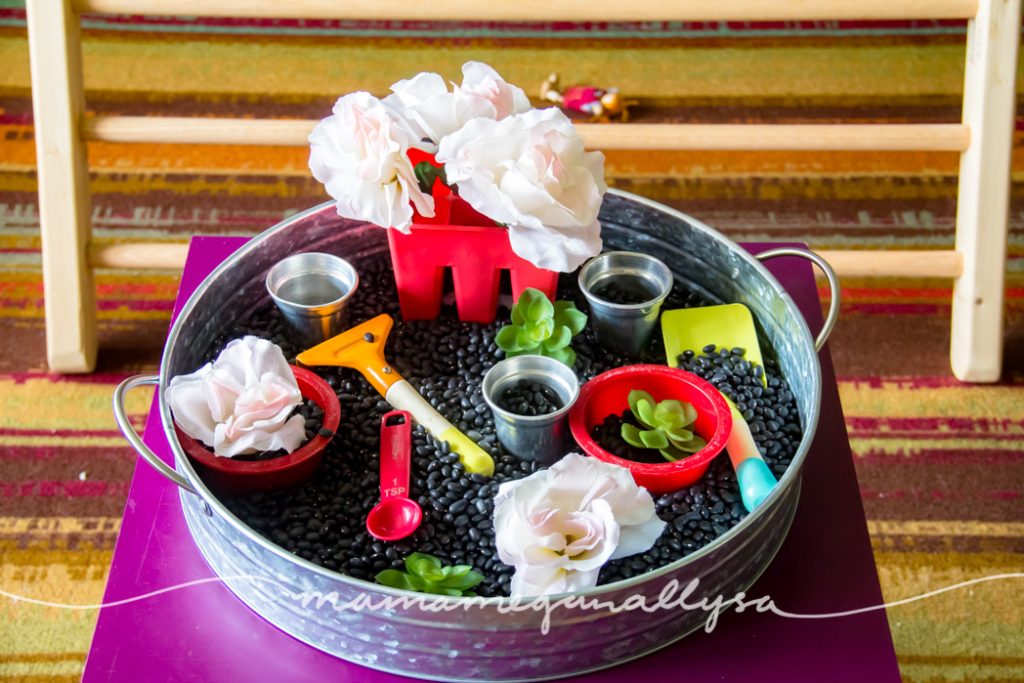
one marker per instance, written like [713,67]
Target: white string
[849,613]
[125,601]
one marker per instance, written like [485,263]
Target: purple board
[202,632]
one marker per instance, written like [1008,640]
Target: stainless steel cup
[532,437]
[311,290]
[625,328]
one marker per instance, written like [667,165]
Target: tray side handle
[833,285]
[121,416]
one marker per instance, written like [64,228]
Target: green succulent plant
[425,574]
[541,327]
[668,426]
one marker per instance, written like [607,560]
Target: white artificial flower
[530,172]
[360,154]
[433,112]
[558,526]
[241,402]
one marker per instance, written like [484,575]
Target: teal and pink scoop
[726,326]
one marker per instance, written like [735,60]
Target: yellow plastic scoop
[726,326]
[362,348]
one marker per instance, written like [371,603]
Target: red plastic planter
[477,251]
[242,476]
[608,393]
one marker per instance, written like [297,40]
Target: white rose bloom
[530,172]
[241,402]
[433,112]
[360,155]
[558,526]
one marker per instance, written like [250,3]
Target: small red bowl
[608,393]
[243,476]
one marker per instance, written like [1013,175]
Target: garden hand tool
[362,348]
[727,326]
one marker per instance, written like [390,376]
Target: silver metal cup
[311,290]
[625,328]
[532,437]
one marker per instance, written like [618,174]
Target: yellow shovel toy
[362,348]
[727,326]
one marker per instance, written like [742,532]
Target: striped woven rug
[941,465]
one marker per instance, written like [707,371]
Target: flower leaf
[635,396]
[464,581]
[540,308]
[654,438]
[631,435]
[671,454]
[540,330]
[523,340]
[424,566]
[426,174]
[523,303]
[678,435]
[517,314]
[559,339]
[397,579]
[567,314]
[566,355]
[457,570]
[693,445]
[645,413]
[507,338]
[670,413]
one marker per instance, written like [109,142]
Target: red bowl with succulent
[608,394]
[242,476]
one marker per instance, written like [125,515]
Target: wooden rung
[198,131]
[943,137]
[921,264]
[918,264]
[951,137]
[545,10]
[139,255]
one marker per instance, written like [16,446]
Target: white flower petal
[580,581]
[484,93]
[556,249]
[185,396]
[638,538]
[288,437]
[425,103]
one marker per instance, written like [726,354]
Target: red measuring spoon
[396,515]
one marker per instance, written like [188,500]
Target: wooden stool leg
[976,348]
[63,177]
